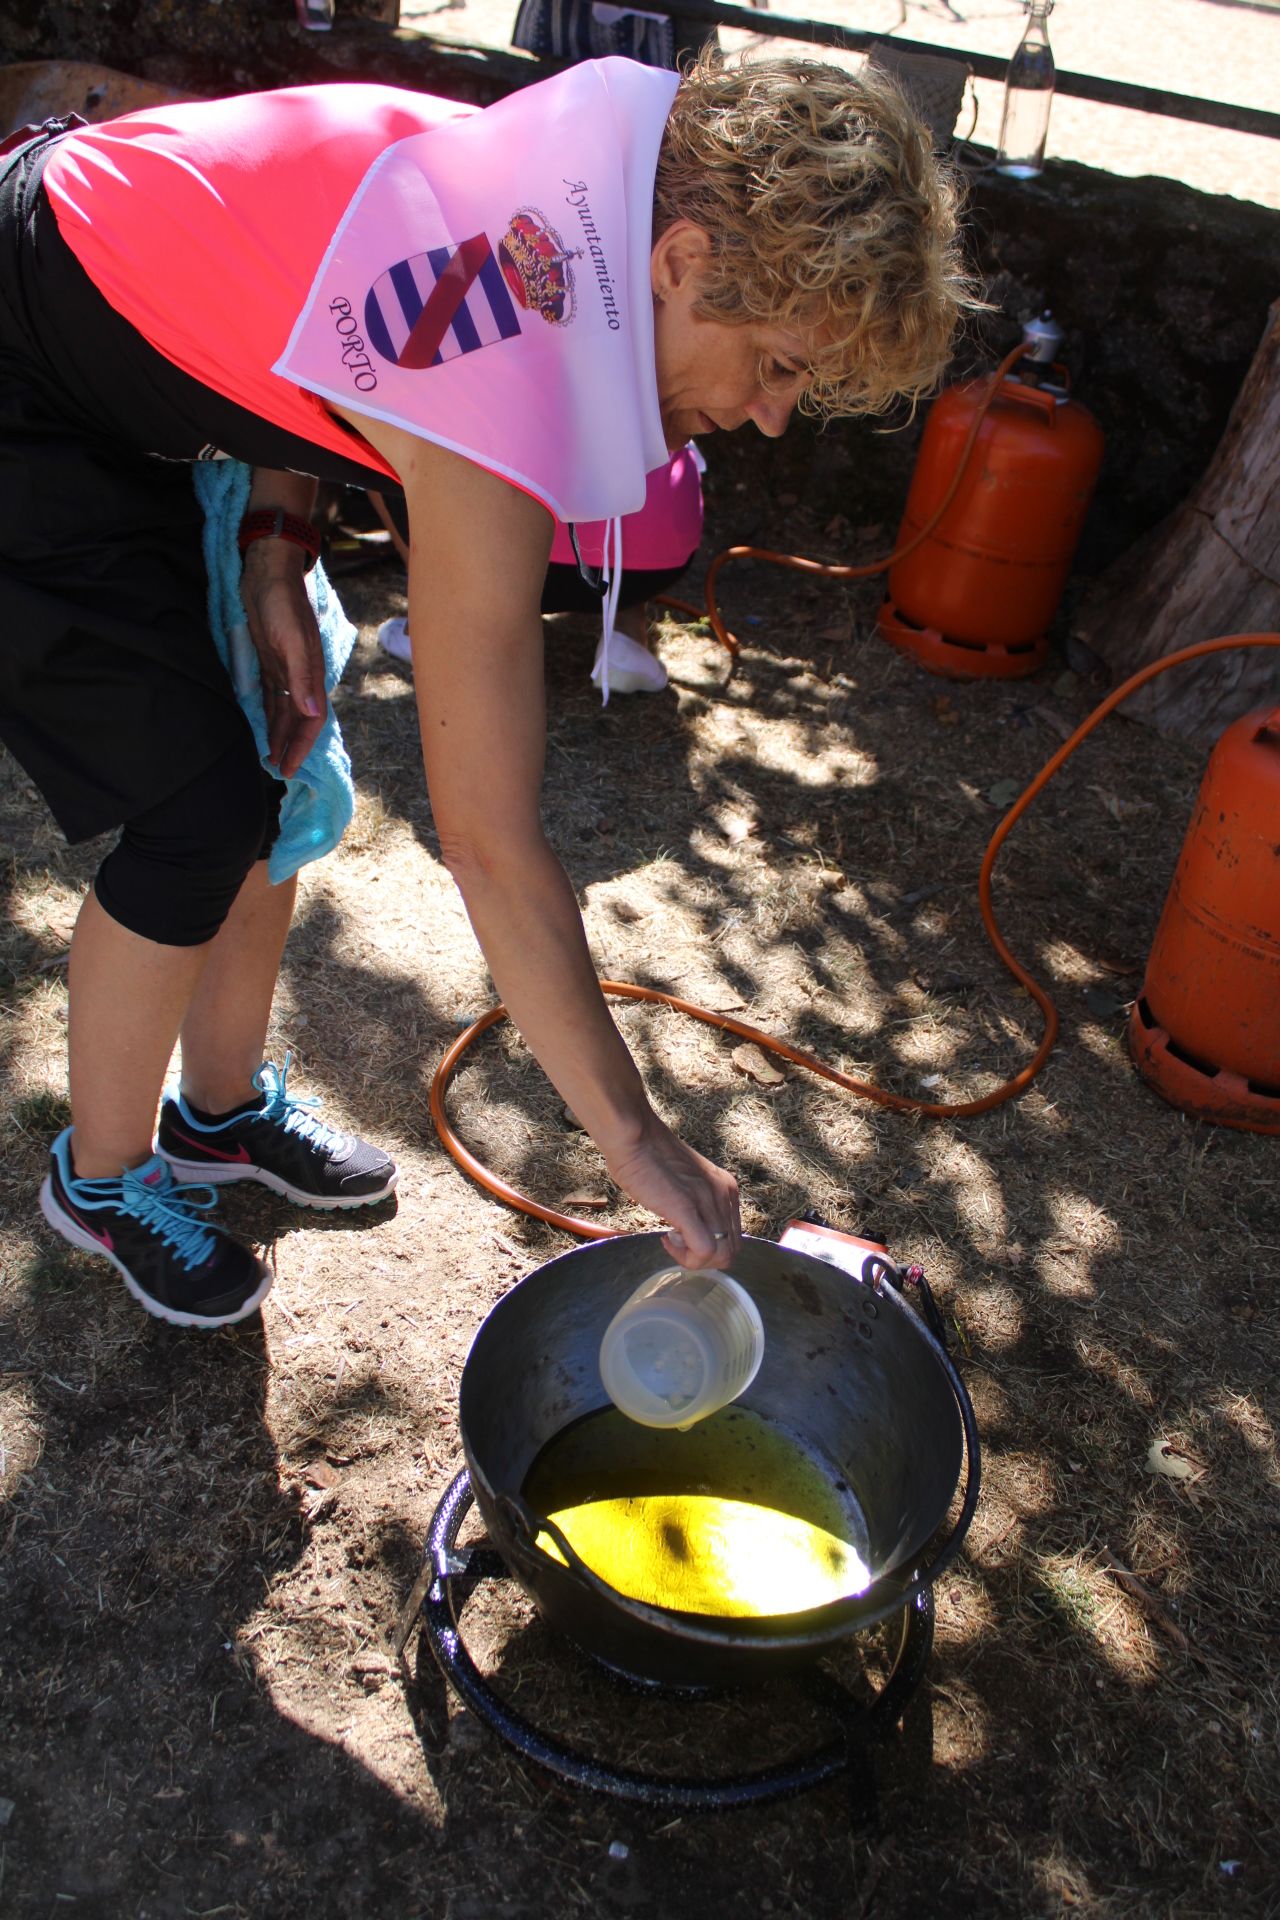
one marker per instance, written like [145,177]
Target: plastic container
[685,1344]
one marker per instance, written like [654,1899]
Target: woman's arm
[274,590]
[478,557]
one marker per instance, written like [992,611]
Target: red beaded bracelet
[273,523]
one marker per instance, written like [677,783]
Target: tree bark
[1213,567]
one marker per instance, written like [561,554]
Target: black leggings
[177,867]
[565,590]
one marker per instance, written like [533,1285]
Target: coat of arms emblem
[536,266]
[455,299]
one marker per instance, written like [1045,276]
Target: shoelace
[287,1110]
[173,1220]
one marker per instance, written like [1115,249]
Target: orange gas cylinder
[1206,1029]
[975,598]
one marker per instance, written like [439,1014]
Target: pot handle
[876,1269]
[527,1525]
[973,1478]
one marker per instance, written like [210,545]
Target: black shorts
[112,694]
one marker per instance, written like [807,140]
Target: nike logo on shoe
[241,1154]
[103,1239]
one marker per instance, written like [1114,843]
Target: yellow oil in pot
[734,1518]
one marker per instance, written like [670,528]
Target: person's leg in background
[658,542]
[633,668]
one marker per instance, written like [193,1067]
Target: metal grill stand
[449,1576]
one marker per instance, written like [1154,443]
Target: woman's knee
[175,872]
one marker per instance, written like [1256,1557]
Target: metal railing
[986,66]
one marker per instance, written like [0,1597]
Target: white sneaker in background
[632,668]
[393,638]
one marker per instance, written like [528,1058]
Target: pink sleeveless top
[277,247]
[202,223]
[665,532]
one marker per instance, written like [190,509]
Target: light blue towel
[320,799]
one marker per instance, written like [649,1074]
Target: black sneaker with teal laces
[172,1258]
[277,1141]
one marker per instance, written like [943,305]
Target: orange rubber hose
[900,1103]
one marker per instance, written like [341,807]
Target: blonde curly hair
[827,211]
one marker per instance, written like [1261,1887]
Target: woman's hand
[273,588]
[698,1199]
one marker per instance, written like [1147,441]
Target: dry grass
[206,1541]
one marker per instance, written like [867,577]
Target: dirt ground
[207,1540]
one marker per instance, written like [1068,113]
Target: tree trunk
[1213,567]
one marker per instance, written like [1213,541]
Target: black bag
[591,30]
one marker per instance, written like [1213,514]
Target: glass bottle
[1028,96]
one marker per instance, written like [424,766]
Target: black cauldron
[850,1370]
